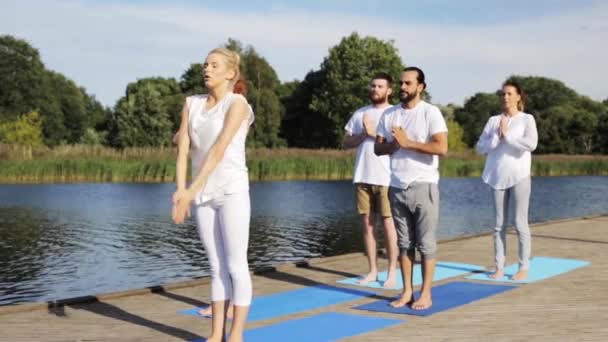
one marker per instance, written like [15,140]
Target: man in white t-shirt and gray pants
[414,134]
[372,177]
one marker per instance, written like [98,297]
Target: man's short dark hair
[384,76]
[420,77]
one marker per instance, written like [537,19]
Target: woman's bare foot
[498,274]
[213,338]
[423,303]
[371,276]
[403,300]
[391,281]
[520,275]
[235,338]
[206,312]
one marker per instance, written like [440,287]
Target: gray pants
[521,197]
[416,214]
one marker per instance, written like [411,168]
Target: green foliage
[66,110]
[262,85]
[473,116]
[302,126]
[267,108]
[143,116]
[192,82]
[567,122]
[455,134]
[344,79]
[25,130]
[21,72]
[78,163]
[65,116]
[601,135]
[309,113]
[567,129]
[448,111]
[542,92]
[92,137]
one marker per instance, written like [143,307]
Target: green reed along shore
[100,164]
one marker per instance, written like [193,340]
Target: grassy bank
[99,164]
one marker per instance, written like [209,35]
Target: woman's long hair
[522,101]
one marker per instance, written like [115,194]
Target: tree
[448,111]
[93,138]
[258,71]
[542,93]
[65,109]
[302,126]
[169,92]
[192,80]
[95,111]
[567,122]
[71,103]
[344,79]
[601,135]
[25,130]
[474,114]
[21,75]
[267,120]
[567,129]
[142,117]
[262,82]
[455,135]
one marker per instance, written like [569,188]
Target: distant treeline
[40,107]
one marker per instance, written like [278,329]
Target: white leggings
[223,226]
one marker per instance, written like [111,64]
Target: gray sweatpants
[521,197]
[416,215]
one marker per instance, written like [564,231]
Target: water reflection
[67,240]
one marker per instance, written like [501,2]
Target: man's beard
[407,98]
[378,100]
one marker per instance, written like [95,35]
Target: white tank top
[205,125]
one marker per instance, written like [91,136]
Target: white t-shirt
[205,126]
[509,159]
[369,168]
[420,124]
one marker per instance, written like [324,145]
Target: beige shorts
[373,199]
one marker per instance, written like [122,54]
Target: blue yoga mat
[289,302]
[443,270]
[445,297]
[540,268]
[328,326]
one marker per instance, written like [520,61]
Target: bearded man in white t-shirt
[371,178]
[414,134]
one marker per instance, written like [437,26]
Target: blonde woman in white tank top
[213,132]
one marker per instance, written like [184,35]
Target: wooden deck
[569,307]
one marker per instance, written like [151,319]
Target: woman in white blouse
[508,140]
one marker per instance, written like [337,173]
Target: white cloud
[105,46]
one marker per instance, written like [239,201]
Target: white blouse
[205,126]
[509,159]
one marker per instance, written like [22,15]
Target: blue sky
[463,46]
[466,12]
